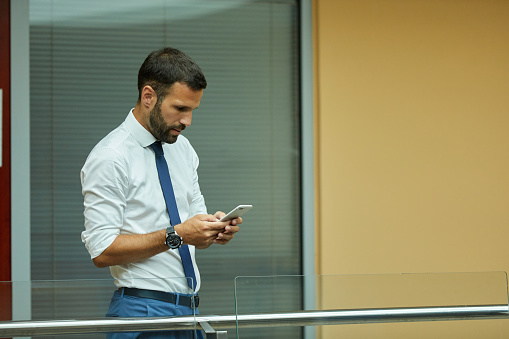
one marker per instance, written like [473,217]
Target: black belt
[183,300]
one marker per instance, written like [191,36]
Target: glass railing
[440,305]
[79,308]
[395,306]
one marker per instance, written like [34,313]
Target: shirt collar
[139,133]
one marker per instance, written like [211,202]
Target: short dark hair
[166,66]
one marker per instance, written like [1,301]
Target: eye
[182,108]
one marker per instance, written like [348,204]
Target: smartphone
[236,212]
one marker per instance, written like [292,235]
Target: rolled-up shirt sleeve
[104,183]
[197,205]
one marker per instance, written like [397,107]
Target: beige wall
[412,142]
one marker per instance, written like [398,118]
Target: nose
[186,119]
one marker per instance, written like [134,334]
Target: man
[130,224]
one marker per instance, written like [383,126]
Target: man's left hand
[224,237]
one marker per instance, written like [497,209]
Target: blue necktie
[171,205]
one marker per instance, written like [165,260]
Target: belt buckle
[195,301]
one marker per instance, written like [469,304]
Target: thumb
[208,217]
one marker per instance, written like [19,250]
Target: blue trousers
[128,306]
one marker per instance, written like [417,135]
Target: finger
[219,214]
[222,239]
[221,242]
[207,217]
[231,229]
[236,221]
[218,225]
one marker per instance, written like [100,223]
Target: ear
[148,97]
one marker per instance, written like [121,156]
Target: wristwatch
[173,240]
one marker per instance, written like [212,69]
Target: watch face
[173,241]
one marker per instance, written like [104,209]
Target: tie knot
[158,148]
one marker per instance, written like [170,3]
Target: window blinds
[84,60]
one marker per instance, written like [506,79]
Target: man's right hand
[200,230]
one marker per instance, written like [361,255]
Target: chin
[171,140]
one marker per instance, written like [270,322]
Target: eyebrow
[184,107]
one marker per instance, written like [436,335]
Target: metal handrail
[301,318]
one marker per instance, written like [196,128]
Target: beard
[158,127]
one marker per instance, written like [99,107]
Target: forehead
[183,95]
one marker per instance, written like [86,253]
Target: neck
[141,116]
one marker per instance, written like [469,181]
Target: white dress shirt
[122,195]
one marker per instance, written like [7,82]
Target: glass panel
[268,295]
[381,306]
[55,300]
[84,59]
[394,292]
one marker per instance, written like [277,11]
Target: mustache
[180,127]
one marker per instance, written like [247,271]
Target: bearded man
[144,211]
